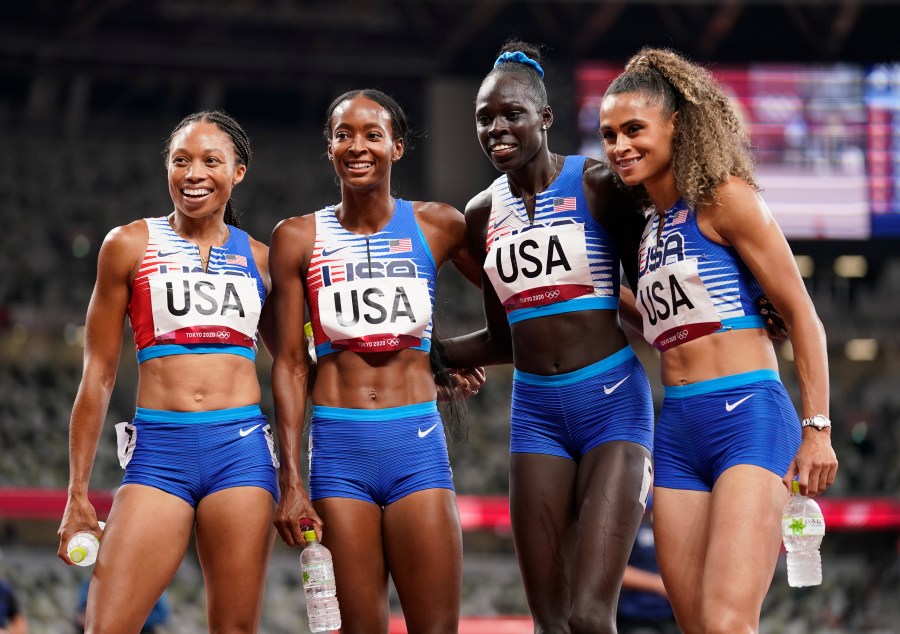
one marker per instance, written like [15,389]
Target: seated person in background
[643,603]
[12,620]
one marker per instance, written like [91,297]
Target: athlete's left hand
[815,464]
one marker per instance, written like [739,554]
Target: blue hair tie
[521,58]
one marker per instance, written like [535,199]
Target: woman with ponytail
[198,454]
[728,441]
[381,493]
[549,232]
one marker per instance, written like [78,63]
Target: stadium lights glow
[861,349]
[851,266]
[806,265]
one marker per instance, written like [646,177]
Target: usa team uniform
[374,294]
[177,308]
[564,261]
[689,287]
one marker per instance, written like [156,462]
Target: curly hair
[710,143]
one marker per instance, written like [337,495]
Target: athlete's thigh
[744,543]
[423,542]
[680,531]
[144,541]
[611,493]
[353,533]
[542,509]
[234,540]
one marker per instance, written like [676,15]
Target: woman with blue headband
[550,231]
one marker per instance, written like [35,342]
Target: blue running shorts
[194,454]
[569,414]
[377,455]
[707,427]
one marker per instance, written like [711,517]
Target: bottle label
[814,525]
[314,574]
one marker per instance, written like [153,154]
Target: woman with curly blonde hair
[728,440]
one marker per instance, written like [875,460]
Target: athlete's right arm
[289,255]
[492,344]
[119,256]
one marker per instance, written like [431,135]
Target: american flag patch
[679,217]
[563,204]
[400,246]
[235,259]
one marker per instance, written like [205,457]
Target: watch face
[818,421]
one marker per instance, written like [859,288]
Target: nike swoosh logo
[422,434]
[610,390]
[502,220]
[326,252]
[731,406]
[247,432]
[166,254]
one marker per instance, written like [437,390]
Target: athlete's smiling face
[510,124]
[637,135]
[362,146]
[203,169]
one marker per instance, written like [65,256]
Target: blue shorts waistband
[385,413]
[189,418]
[720,383]
[566,378]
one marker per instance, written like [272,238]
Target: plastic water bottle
[83,547]
[319,585]
[802,528]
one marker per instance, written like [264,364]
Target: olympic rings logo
[222,334]
[552,294]
[682,334]
[392,342]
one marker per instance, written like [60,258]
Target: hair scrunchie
[521,58]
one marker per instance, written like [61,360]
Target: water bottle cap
[310,535]
[795,486]
[77,554]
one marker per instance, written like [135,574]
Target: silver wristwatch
[819,421]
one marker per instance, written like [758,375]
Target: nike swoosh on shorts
[730,406]
[422,434]
[610,390]
[247,432]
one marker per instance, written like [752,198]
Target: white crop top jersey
[690,286]
[177,308]
[371,293]
[564,261]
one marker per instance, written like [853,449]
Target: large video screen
[827,141]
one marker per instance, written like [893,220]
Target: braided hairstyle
[239,139]
[399,120]
[522,70]
[710,143]
[453,410]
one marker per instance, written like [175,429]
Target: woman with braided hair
[198,454]
[728,441]
[549,232]
[381,491]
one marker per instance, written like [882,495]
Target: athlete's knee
[724,620]
[595,620]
